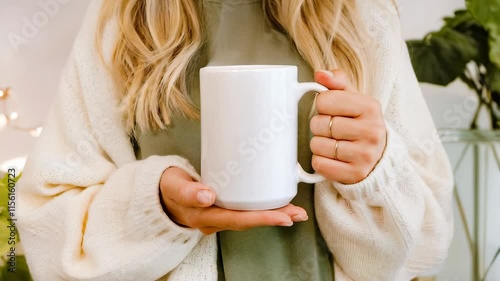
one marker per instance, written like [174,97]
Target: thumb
[178,186]
[335,80]
[195,194]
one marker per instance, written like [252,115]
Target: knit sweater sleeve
[88,210]
[397,223]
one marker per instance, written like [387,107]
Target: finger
[297,214]
[340,103]
[336,170]
[192,194]
[335,80]
[341,128]
[210,230]
[347,151]
[242,220]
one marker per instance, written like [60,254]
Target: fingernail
[204,197]
[329,73]
[300,218]
[286,223]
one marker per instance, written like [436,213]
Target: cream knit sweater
[88,210]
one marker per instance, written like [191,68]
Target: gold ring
[336,150]
[330,128]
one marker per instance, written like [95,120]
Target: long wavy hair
[158,39]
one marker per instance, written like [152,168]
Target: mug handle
[302,89]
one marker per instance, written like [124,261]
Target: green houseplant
[16,269]
[467,47]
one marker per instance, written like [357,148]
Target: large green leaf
[487,12]
[3,190]
[4,214]
[21,269]
[496,97]
[4,236]
[495,84]
[442,56]
[21,274]
[466,24]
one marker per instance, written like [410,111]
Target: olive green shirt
[238,33]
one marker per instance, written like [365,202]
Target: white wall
[33,67]
[33,70]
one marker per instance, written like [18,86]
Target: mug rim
[246,67]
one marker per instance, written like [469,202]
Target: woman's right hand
[189,203]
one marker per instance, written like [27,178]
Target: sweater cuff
[383,173]
[146,212]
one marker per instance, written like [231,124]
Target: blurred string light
[9,115]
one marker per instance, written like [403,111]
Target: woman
[112,190]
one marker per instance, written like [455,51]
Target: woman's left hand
[349,132]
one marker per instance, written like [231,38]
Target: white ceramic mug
[249,119]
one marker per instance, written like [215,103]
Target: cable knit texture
[88,210]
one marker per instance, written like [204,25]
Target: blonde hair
[158,40]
